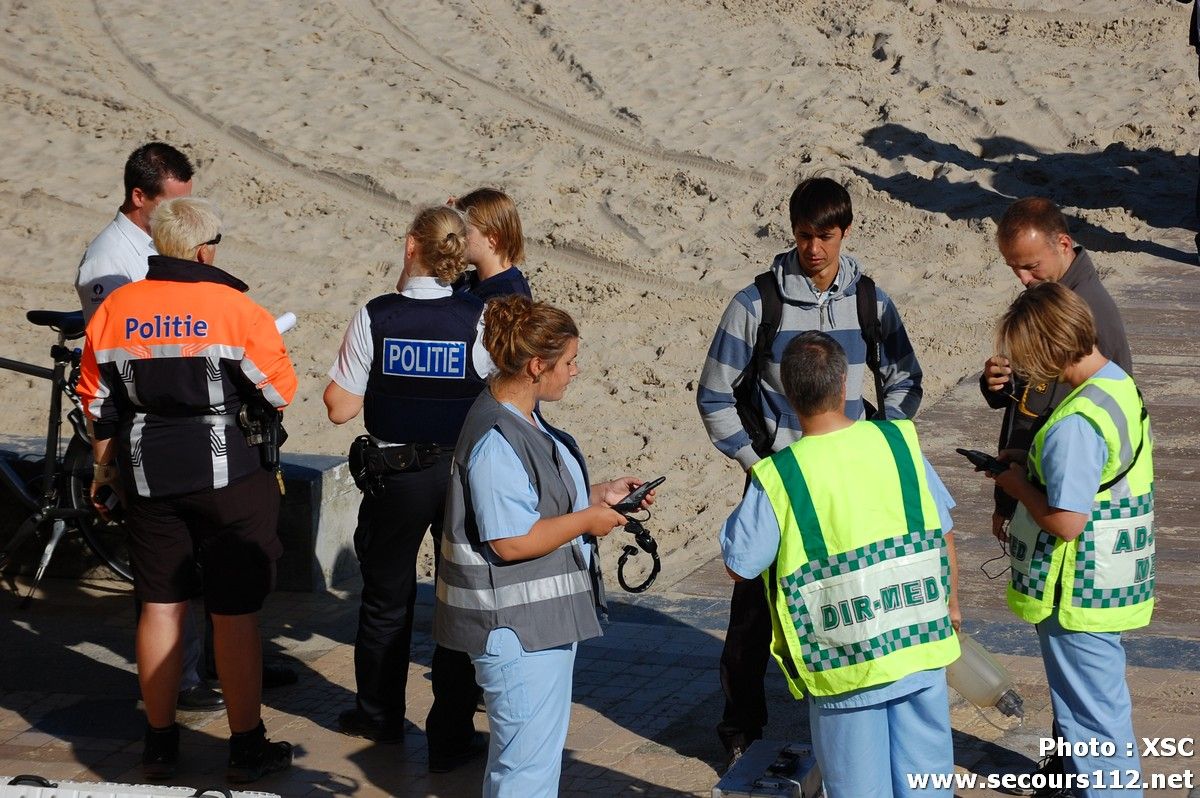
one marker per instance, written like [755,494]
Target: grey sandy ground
[646,695]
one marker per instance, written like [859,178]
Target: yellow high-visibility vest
[859,589]
[1103,581]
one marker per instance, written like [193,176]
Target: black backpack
[747,393]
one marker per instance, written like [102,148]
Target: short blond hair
[1044,331]
[179,226]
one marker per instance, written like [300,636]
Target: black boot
[1052,769]
[252,756]
[160,755]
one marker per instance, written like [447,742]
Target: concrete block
[316,522]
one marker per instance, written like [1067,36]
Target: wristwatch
[104,472]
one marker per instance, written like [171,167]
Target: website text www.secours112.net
[1151,748]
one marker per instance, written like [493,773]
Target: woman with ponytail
[519,581]
[413,361]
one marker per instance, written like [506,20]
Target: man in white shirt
[154,172]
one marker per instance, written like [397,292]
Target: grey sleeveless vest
[548,601]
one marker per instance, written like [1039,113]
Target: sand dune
[651,148]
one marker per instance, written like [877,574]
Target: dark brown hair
[1031,213]
[149,166]
[813,370]
[820,203]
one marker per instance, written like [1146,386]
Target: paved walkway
[646,695]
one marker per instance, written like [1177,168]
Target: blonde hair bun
[440,233]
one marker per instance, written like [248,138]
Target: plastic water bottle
[981,679]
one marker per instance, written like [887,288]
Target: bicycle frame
[46,507]
[63,357]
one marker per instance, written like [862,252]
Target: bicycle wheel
[108,539]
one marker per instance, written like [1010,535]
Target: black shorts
[220,543]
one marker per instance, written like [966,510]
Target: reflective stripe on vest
[547,601]
[526,592]
[1103,580]
[860,586]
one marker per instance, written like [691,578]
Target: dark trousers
[744,665]
[390,529]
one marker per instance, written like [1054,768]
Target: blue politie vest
[422,380]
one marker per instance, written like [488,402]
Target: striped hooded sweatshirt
[834,312]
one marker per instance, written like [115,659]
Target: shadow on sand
[1154,186]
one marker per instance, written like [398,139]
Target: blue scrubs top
[502,496]
[1073,457]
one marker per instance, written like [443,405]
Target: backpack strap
[748,392]
[760,358]
[872,332]
[772,316]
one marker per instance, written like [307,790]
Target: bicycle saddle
[69,322]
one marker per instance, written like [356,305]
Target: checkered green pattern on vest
[1128,507]
[849,502]
[1040,561]
[819,658]
[1114,408]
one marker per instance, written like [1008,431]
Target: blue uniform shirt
[506,283]
[1073,457]
[503,498]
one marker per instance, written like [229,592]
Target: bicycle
[63,502]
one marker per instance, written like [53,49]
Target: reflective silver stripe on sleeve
[96,407]
[522,593]
[135,454]
[257,376]
[1097,396]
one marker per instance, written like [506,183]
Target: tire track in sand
[94,34]
[567,83]
[238,139]
[1077,17]
[411,49]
